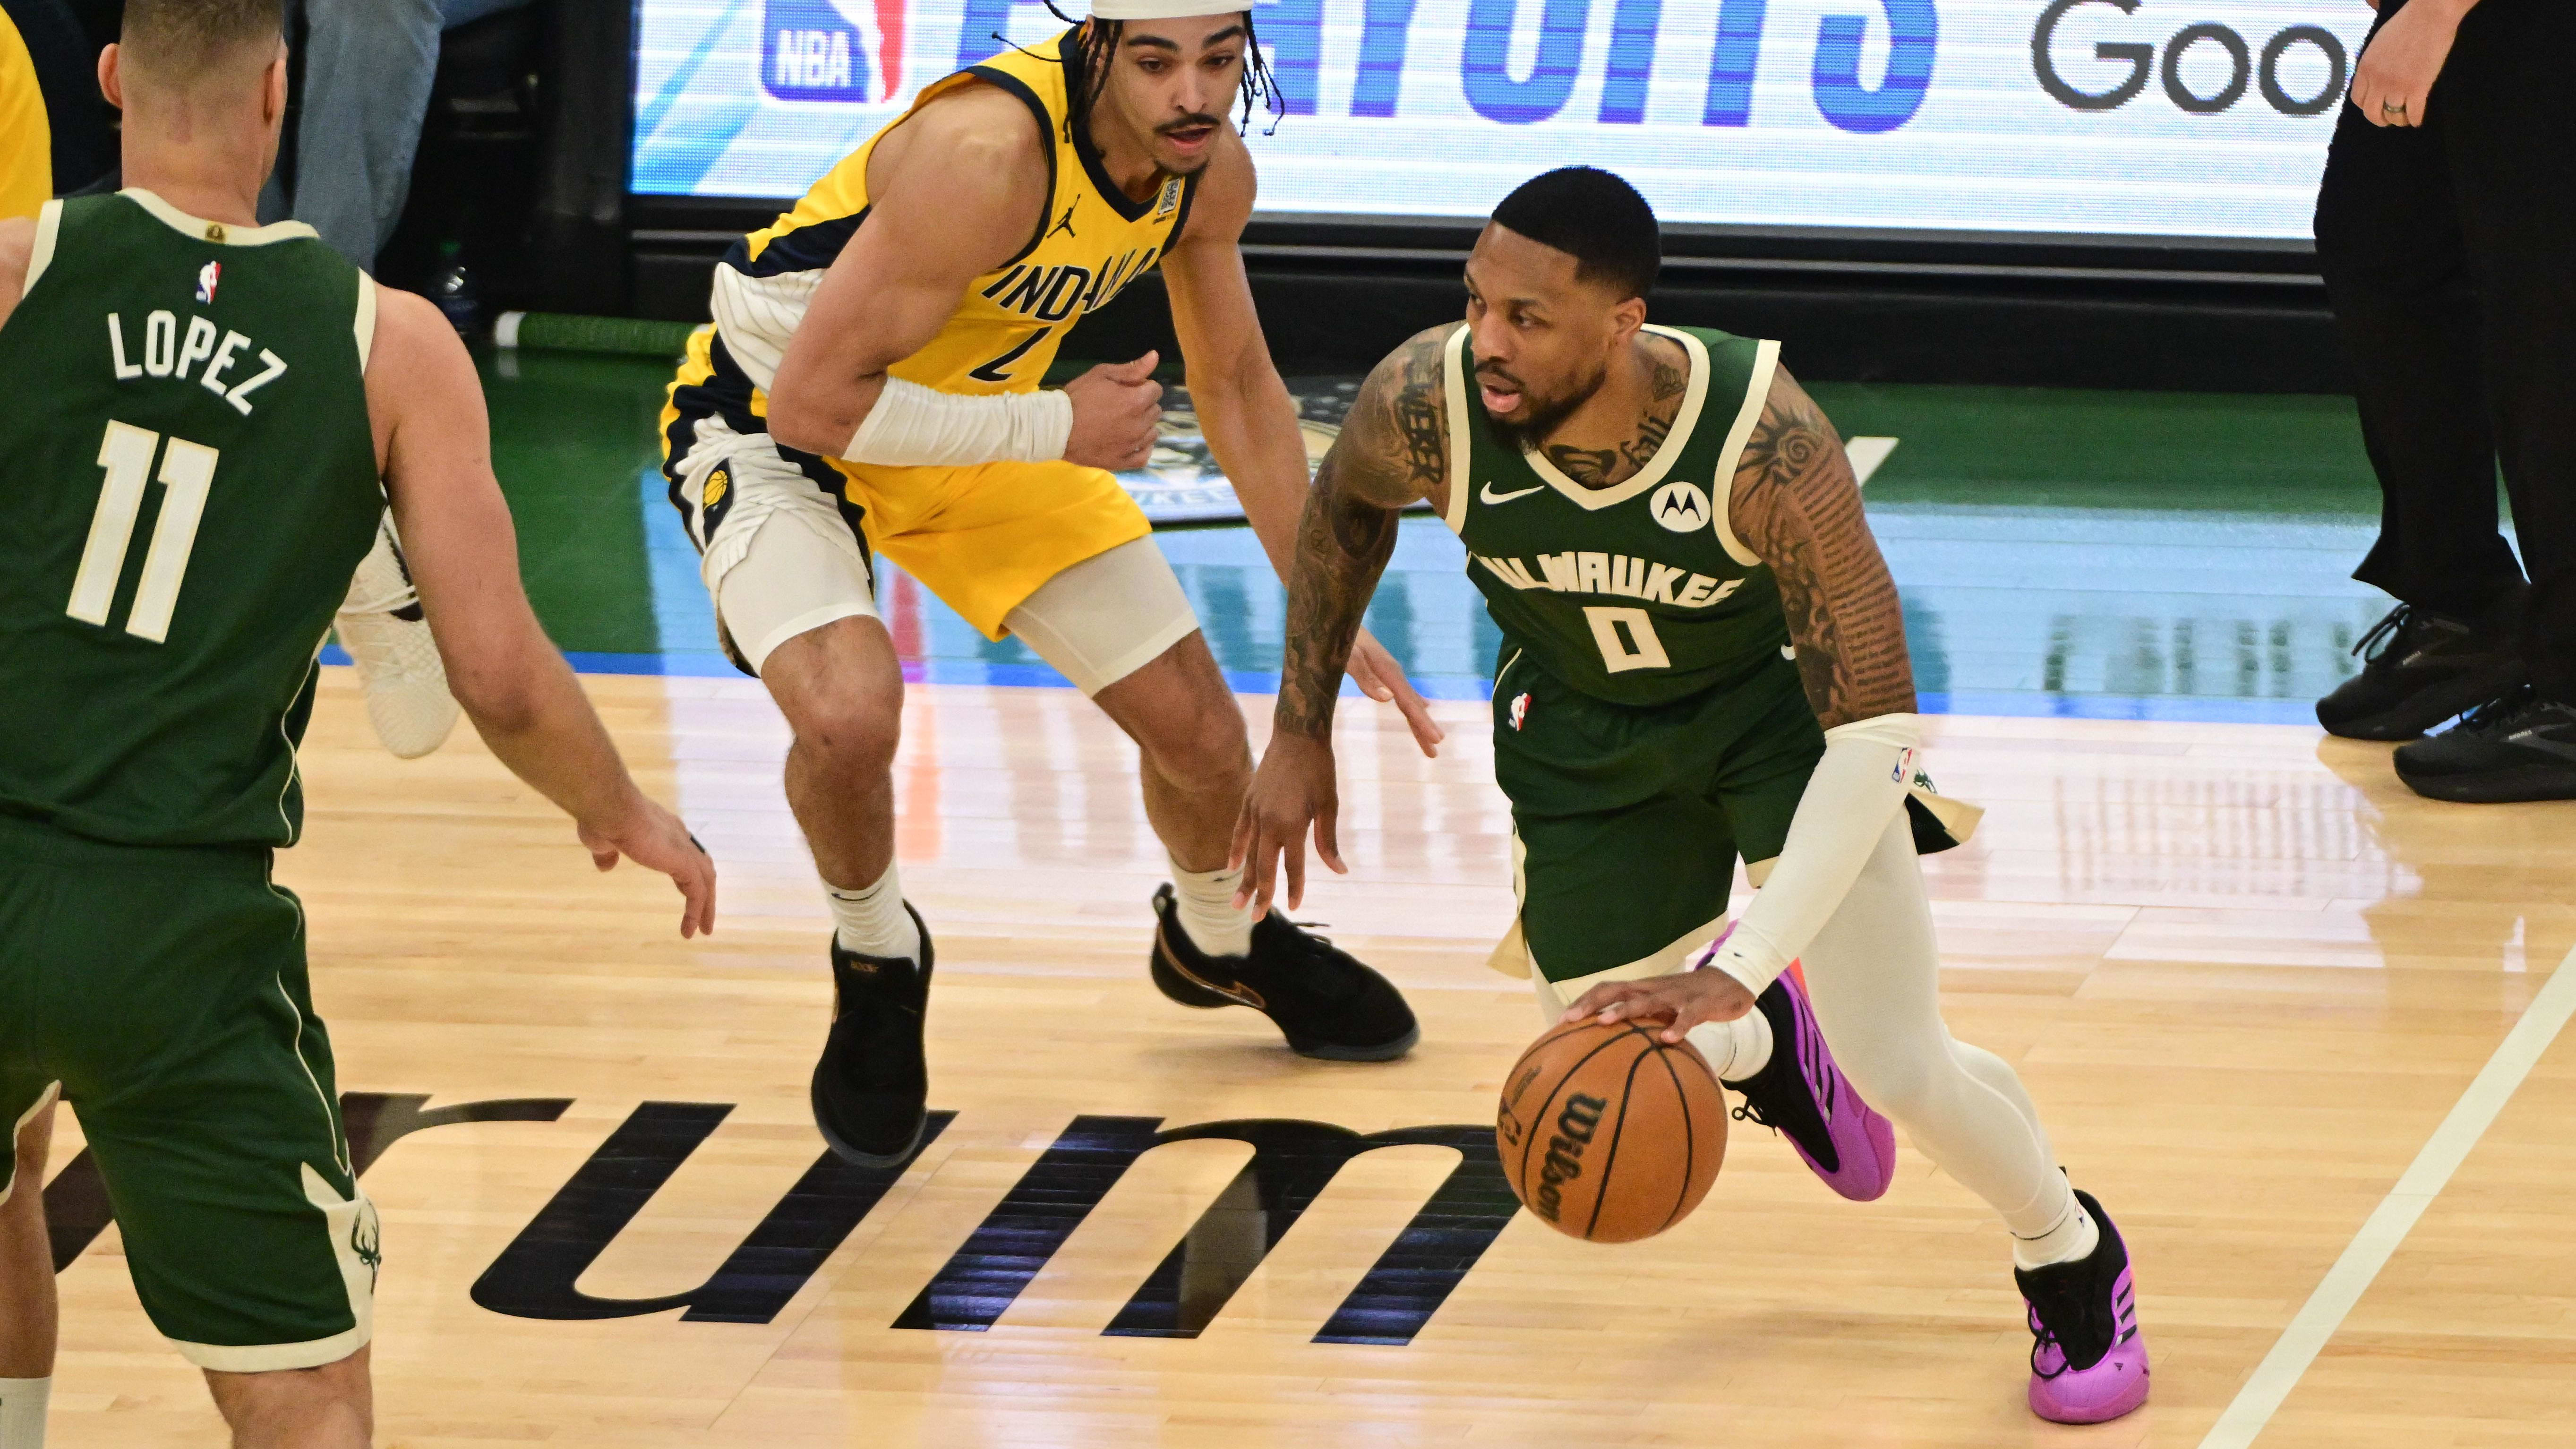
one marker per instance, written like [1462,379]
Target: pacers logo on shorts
[1681,507]
[711,500]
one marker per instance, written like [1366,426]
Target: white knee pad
[1107,616]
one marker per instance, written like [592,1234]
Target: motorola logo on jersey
[1681,507]
[2205,68]
[832,50]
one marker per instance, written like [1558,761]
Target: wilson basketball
[1608,1133]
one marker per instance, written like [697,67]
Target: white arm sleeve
[1857,787]
[913,426]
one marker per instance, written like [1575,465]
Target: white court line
[2395,1217]
[1866,454]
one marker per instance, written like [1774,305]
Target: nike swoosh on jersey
[1490,496]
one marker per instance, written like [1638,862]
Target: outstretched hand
[1379,677]
[1293,789]
[1680,1002]
[655,839]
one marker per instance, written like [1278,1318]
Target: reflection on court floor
[2115,555]
[2244,971]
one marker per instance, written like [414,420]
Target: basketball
[1608,1133]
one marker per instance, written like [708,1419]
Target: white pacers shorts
[782,559]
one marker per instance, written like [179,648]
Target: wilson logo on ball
[1608,1133]
[1564,1162]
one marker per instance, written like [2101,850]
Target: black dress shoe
[2520,747]
[871,1090]
[1321,998]
[2420,668]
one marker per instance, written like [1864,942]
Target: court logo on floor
[1293,1162]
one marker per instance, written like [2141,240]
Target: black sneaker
[871,1087]
[2087,1362]
[2519,747]
[2418,669]
[1323,1000]
[1800,1094]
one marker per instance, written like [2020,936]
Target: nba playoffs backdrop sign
[2114,117]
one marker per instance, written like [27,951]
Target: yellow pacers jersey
[26,144]
[1091,242]
[983,537]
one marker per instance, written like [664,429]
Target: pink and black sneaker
[2088,1364]
[1803,1096]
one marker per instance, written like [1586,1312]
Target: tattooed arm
[1393,451]
[1796,505]
[1244,410]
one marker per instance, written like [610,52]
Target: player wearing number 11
[207,420]
[1703,657]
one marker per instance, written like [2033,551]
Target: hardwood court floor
[2243,971]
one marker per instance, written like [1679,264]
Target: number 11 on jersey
[188,472]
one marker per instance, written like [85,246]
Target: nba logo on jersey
[832,50]
[207,276]
[1681,507]
[1170,200]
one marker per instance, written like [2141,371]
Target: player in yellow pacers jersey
[871,386]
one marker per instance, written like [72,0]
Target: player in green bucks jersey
[1703,658]
[207,418]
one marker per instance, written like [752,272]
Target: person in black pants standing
[2446,226]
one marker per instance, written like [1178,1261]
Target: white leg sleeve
[796,572]
[1107,616]
[1873,973]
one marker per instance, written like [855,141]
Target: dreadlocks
[1095,44]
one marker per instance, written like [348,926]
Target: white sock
[2073,1239]
[22,1412]
[872,920]
[1208,914]
[1737,1048]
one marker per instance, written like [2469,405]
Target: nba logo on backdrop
[831,50]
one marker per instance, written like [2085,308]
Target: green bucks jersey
[194,479]
[1637,593]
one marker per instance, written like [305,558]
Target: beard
[1543,414]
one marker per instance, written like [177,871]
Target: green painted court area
[2155,555]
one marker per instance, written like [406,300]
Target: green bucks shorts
[163,990]
[1628,820]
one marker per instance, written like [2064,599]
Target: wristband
[914,426]
[1856,789]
